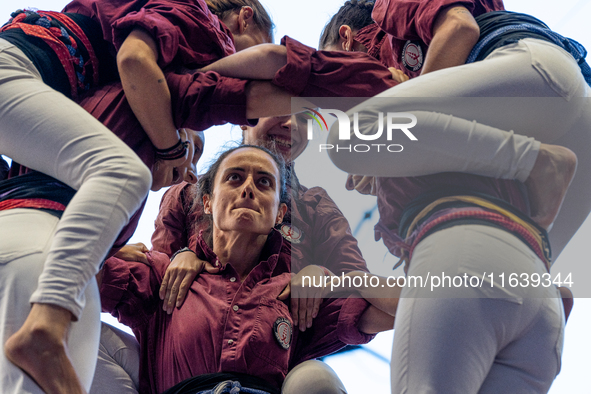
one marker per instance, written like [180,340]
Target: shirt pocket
[268,355]
[24,232]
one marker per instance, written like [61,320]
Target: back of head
[354,13]
[262,19]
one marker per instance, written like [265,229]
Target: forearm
[377,291]
[146,90]
[455,32]
[264,99]
[374,320]
[258,62]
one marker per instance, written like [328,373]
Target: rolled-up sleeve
[312,73]
[160,28]
[202,100]
[333,328]
[335,247]
[185,31]
[129,290]
[171,231]
[412,19]
[349,316]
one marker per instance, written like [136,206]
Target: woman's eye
[233,177]
[265,181]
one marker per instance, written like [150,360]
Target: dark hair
[262,19]
[354,13]
[207,181]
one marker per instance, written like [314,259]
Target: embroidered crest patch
[412,55]
[291,233]
[282,330]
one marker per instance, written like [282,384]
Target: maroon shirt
[377,43]
[225,325]
[199,101]
[319,232]
[409,24]
[313,73]
[185,31]
[186,34]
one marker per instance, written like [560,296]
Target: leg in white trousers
[532,87]
[312,377]
[118,365]
[42,129]
[25,238]
[484,340]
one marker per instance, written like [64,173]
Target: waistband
[577,51]
[473,209]
[35,203]
[232,387]
[61,33]
[223,382]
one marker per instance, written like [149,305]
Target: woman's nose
[190,177]
[248,188]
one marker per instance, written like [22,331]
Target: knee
[312,377]
[129,172]
[140,177]
[120,168]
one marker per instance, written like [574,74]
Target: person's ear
[207,204]
[281,213]
[346,37]
[245,18]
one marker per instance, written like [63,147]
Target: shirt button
[232,279]
[235,307]
[230,342]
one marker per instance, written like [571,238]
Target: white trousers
[25,239]
[467,340]
[118,364]
[42,129]
[531,87]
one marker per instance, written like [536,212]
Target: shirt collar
[274,251]
[373,38]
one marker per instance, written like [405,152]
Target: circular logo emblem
[282,329]
[412,55]
[291,233]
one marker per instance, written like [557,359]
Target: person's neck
[240,249]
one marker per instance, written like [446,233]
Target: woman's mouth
[281,142]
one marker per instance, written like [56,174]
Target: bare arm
[146,89]
[375,320]
[383,296]
[455,32]
[258,62]
[263,99]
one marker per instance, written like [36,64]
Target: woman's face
[284,134]
[245,194]
[164,175]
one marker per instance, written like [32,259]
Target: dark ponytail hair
[354,13]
